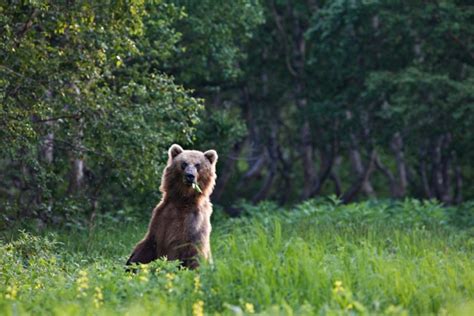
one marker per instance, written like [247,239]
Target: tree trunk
[327,161]
[272,153]
[307,157]
[424,180]
[76,176]
[226,173]
[47,146]
[337,183]
[359,169]
[390,177]
[284,172]
[446,164]
[262,194]
[47,156]
[397,148]
[47,141]
[458,185]
[358,185]
[436,168]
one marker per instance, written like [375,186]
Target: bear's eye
[183,165]
[198,165]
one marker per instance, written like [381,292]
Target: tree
[85,116]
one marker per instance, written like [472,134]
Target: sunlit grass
[316,259]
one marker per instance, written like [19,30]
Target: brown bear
[180,225]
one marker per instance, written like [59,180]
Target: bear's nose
[189,177]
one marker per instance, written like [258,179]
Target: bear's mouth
[189,182]
[192,183]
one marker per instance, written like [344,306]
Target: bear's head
[189,173]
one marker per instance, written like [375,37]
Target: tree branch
[357,185]
[284,36]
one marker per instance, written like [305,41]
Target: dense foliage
[87,112]
[358,98]
[300,99]
[321,257]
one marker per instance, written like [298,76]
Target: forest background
[356,99]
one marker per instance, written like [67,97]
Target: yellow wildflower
[198,308]
[98,297]
[145,268]
[249,308]
[82,283]
[12,292]
[338,287]
[144,272]
[197,283]
[169,283]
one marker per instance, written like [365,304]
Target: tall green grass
[317,258]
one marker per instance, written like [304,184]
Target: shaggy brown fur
[180,226]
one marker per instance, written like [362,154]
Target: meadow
[319,257]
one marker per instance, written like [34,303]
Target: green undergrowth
[320,257]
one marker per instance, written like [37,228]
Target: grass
[318,258]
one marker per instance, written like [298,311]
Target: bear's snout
[190,173]
[189,177]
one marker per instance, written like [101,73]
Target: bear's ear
[211,155]
[174,151]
